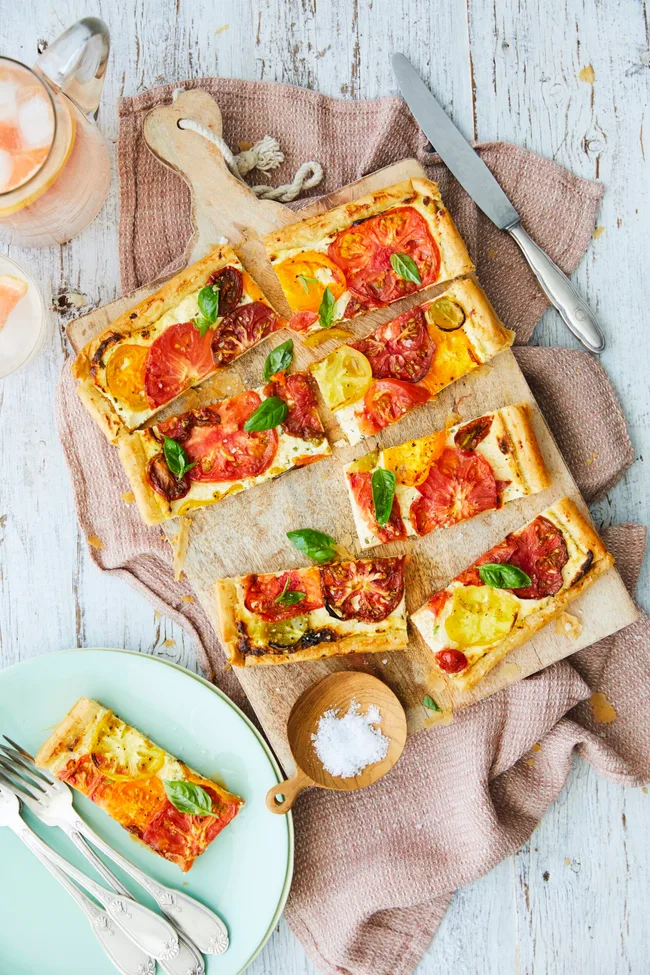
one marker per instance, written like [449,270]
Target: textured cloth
[375,869]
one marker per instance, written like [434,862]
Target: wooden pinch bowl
[337,691]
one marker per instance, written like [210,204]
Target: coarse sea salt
[346,745]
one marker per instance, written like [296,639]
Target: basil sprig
[383,492]
[208,302]
[306,280]
[503,576]
[406,267]
[429,703]
[314,544]
[270,413]
[176,457]
[289,597]
[278,359]
[326,310]
[189,798]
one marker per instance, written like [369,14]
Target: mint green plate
[244,875]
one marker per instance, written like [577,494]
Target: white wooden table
[575,898]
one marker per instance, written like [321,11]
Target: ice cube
[6,169]
[8,104]
[35,121]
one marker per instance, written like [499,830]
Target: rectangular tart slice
[446,477]
[198,322]
[319,611]
[200,457]
[374,381]
[509,593]
[366,254]
[136,782]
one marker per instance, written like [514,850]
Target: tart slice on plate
[510,592]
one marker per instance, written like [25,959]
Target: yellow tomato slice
[125,375]
[324,335]
[121,752]
[343,377]
[480,616]
[411,461]
[305,277]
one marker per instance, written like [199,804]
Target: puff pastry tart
[200,321]
[510,592]
[199,457]
[171,808]
[449,476]
[366,254]
[374,381]
[308,613]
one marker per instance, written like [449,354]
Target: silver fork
[198,923]
[127,958]
[188,961]
[151,933]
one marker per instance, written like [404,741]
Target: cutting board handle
[281,797]
[222,205]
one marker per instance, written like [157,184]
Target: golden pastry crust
[134,456]
[421,194]
[534,476]
[70,737]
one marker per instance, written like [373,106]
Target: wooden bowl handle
[290,789]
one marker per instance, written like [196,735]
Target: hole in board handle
[279,798]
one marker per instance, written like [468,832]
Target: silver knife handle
[560,292]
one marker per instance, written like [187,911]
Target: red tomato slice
[539,550]
[180,837]
[301,321]
[353,248]
[361,487]
[177,359]
[367,590]
[263,590]
[303,419]
[386,401]
[459,486]
[401,349]
[231,285]
[215,440]
[438,601]
[451,661]
[164,483]
[241,330]
[470,435]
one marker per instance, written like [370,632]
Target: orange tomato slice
[305,277]
[125,376]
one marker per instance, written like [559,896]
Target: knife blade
[477,180]
[466,165]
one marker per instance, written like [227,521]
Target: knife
[477,180]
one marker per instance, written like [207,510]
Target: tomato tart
[171,808]
[510,592]
[199,457]
[366,254]
[376,380]
[198,322]
[447,477]
[305,614]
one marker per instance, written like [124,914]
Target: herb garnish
[306,280]
[503,576]
[208,302]
[326,310]
[189,798]
[314,544]
[289,597]
[405,267]
[383,492]
[176,457]
[278,359]
[270,413]
[429,703]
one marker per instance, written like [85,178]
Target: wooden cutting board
[246,533]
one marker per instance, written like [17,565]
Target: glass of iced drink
[23,317]
[54,162]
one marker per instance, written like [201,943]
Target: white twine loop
[265,155]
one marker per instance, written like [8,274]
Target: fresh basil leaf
[326,310]
[289,597]
[406,267]
[270,413]
[383,492]
[278,359]
[176,457]
[208,302]
[202,324]
[189,798]
[306,280]
[314,544]
[503,576]
[430,703]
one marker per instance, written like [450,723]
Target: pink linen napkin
[375,869]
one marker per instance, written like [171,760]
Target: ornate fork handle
[150,932]
[127,957]
[198,922]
